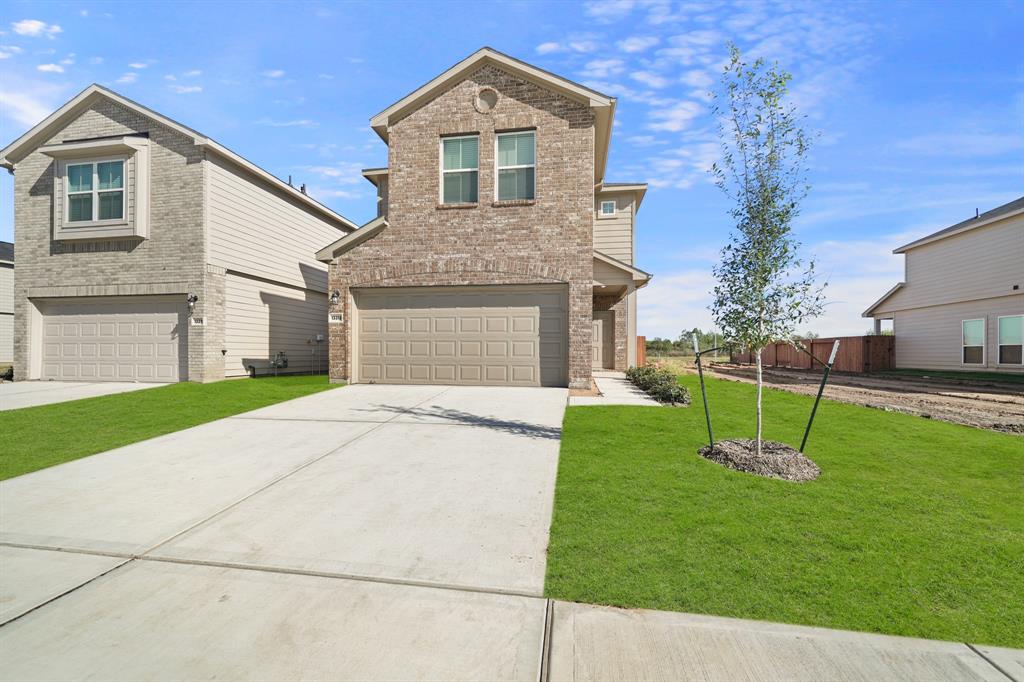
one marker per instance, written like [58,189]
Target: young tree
[763,290]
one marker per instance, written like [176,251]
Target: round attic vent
[486,100]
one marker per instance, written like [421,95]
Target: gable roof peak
[603,105]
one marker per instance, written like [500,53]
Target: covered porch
[614,312]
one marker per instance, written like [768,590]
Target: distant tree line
[684,344]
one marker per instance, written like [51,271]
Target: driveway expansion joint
[991,662]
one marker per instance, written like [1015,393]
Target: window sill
[451,207]
[78,224]
[513,202]
[98,230]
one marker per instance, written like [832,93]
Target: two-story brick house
[499,254]
[149,252]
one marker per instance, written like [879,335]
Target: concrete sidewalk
[615,389]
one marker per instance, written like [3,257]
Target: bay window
[973,349]
[1011,340]
[516,166]
[460,169]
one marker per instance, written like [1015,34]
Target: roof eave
[943,235]
[870,312]
[351,240]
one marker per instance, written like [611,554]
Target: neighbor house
[961,304]
[499,254]
[149,252]
[6,303]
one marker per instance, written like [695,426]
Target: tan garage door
[124,338]
[502,335]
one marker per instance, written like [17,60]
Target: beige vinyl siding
[614,236]
[6,314]
[262,318]
[256,230]
[6,289]
[930,337]
[981,263]
[610,275]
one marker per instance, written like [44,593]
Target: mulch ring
[777,460]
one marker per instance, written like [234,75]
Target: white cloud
[273,73]
[638,43]
[138,65]
[674,302]
[649,79]
[50,68]
[7,51]
[320,192]
[609,10]
[128,78]
[170,77]
[193,73]
[343,174]
[69,60]
[696,78]
[295,123]
[325,76]
[676,117]
[603,68]
[966,144]
[83,12]
[185,89]
[27,103]
[581,45]
[35,28]
[95,61]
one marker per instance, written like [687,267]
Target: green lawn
[996,377]
[915,527]
[39,437]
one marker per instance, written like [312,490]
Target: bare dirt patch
[979,404]
[585,392]
[777,460]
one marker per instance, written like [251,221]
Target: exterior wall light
[335,297]
[191,299]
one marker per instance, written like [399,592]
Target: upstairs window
[607,208]
[973,342]
[1011,340]
[460,169]
[95,191]
[516,166]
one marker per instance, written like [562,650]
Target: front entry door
[603,349]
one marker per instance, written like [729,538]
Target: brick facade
[171,261]
[549,239]
[617,305]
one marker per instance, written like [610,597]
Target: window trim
[999,318]
[600,208]
[442,171]
[984,342]
[498,168]
[94,192]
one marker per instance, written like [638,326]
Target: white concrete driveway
[371,531]
[15,395]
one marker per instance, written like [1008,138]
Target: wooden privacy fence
[857,354]
[641,351]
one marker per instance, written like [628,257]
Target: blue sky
[919,106]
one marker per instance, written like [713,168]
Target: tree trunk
[759,384]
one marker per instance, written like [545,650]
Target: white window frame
[442,171]
[999,345]
[498,168]
[600,209]
[984,342]
[95,192]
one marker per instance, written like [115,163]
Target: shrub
[659,383]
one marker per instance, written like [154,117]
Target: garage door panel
[112,339]
[486,335]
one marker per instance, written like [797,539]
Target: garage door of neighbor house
[118,338]
[499,335]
